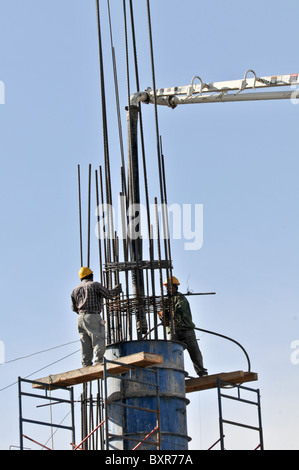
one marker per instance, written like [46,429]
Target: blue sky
[240,160]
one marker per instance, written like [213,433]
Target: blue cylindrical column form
[134,422]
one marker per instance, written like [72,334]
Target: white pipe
[174,101]
[140,97]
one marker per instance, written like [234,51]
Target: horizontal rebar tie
[130,265]
[134,304]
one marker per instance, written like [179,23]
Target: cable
[38,352]
[229,339]
[45,367]
[221,336]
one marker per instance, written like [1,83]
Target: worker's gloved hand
[166,317]
[119,288]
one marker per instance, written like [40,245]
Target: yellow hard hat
[84,272]
[174,281]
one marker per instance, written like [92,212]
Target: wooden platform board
[210,381]
[86,374]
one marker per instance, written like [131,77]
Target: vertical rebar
[160,269]
[116,95]
[106,145]
[140,120]
[80,217]
[166,206]
[128,322]
[147,306]
[167,244]
[108,318]
[88,222]
[102,214]
[99,230]
[152,272]
[119,333]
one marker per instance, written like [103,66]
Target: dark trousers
[189,339]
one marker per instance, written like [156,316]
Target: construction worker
[87,302]
[183,324]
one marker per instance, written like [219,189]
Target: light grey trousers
[92,336]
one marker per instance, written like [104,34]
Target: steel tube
[134,202]
[174,100]
[224,98]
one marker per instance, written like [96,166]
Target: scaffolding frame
[47,388]
[221,384]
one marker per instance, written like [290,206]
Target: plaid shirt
[87,296]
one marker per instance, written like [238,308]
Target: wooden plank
[86,374]
[210,381]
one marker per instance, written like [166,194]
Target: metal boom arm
[226,91]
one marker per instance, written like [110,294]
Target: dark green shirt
[182,312]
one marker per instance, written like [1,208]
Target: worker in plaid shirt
[87,300]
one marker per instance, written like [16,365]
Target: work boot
[202,372]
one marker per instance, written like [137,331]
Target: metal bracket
[244,82]
[190,88]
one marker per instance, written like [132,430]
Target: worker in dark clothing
[87,300]
[183,325]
